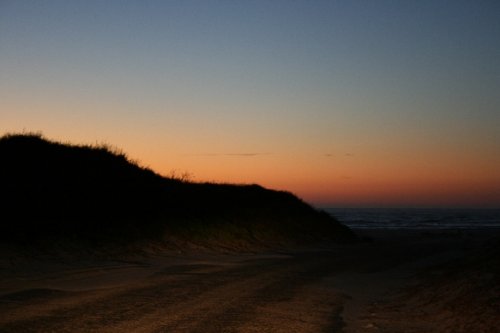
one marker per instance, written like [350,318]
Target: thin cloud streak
[228,154]
[346,155]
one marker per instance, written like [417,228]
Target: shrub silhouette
[52,190]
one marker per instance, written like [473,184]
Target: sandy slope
[349,288]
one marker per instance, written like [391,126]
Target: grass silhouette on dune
[54,191]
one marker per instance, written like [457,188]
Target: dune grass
[53,190]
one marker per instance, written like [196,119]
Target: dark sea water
[416,218]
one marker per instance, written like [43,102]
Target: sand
[401,281]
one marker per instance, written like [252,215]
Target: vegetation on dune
[52,190]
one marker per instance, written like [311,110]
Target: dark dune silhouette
[54,191]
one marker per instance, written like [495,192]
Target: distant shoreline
[417,218]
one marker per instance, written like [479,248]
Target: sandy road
[266,294]
[330,290]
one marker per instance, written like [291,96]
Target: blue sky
[409,89]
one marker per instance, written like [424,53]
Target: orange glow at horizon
[366,175]
[349,180]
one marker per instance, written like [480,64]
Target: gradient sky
[345,103]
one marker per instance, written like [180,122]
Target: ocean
[416,218]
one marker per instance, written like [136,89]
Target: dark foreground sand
[440,281]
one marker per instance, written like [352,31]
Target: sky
[344,103]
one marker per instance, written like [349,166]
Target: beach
[393,281]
